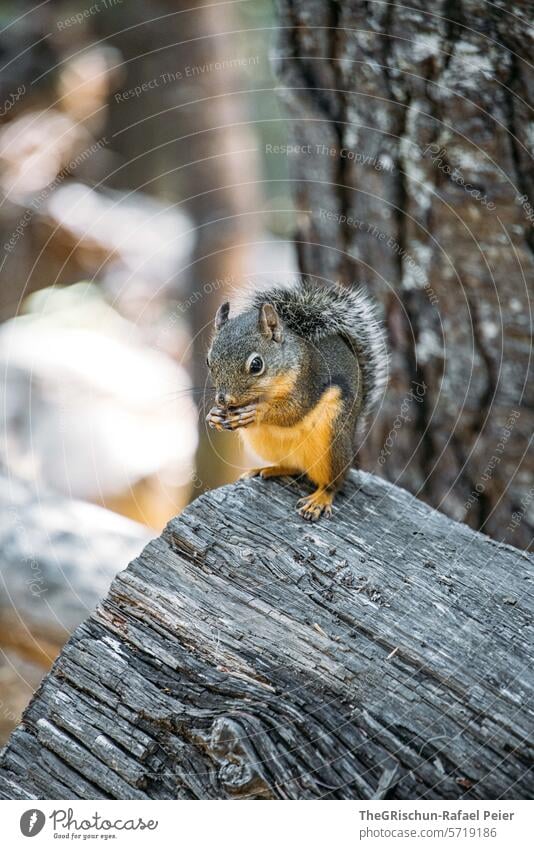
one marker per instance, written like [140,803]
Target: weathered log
[245,653]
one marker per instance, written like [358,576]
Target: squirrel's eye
[208,362]
[255,364]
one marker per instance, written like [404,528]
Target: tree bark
[246,654]
[412,173]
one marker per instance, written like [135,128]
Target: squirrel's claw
[216,418]
[241,417]
[313,506]
[231,419]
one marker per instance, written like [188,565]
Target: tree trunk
[246,654]
[413,174]
[189,141]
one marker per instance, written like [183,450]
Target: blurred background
[145,177]
[136,195]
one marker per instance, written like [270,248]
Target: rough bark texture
[414,176]
[384,653]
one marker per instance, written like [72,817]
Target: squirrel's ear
[222,314]
[270,324]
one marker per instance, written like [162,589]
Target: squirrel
[298,372]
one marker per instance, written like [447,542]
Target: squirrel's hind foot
[313,506]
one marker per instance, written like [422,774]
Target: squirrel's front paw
[231,419]
[216,417]
[313,506]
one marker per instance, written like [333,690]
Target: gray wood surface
[247,654]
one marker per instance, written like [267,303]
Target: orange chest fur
[306,446]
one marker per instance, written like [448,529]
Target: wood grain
[247,654]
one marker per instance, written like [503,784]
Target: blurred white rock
[59,557]
[130,232]
[89,409]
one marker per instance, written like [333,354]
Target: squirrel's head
[253,357]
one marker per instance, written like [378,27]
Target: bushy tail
[314,310]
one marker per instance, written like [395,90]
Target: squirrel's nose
[224,399]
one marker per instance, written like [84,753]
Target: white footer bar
[264,825]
